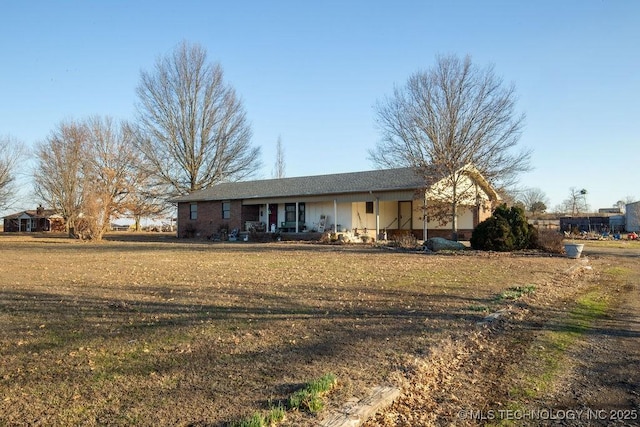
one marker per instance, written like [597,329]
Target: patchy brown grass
[529,357]
[157,331]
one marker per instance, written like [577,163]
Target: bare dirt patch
[165,332]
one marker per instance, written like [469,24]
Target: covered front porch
[378,217]
[367,213]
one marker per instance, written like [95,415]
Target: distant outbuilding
[37,220]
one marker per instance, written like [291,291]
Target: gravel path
[604,381]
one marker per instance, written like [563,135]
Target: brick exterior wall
[209,220]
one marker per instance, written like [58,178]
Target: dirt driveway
[604,380]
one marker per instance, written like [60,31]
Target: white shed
[632,216]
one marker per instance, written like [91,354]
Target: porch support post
[425,220]
[266,213]
[377,218]
[335,216]
[297,213]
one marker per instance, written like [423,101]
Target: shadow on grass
[145,241]
[261,342]
[392,313]
[267,346]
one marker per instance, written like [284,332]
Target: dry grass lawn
[160,331]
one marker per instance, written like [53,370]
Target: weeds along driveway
[171,332]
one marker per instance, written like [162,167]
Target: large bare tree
[193,130]
[11,152]
[448,122]
[86,170]
[58,172]
[110,174]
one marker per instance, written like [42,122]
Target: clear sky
[311,73]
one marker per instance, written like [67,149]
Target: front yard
[170,332]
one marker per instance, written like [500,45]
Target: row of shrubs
[507,230]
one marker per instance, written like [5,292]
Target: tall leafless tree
[193,130]
[576,202]
[280,165]
[11,152]
[110,175]
[58,172]
[447,122]
[86,170]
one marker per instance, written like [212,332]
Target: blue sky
[311,73]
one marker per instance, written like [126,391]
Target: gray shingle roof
[341,183]
[46,213]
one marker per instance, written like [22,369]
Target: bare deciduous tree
[146,199]
[11,152]
[576,202]
[58,172]
[193,130]
[534,200]
[280,165]
[110,175]
[447,118]
[86,170]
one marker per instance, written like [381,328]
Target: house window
[226,210]
[193,212]
[290,212]
[369,207]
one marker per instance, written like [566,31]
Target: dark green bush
[493,234]
[506,230]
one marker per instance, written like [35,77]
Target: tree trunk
[454,213]
[454,221]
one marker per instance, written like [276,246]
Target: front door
[273,218]
[404,215]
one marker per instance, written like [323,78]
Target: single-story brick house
[370,202]
[40,219]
